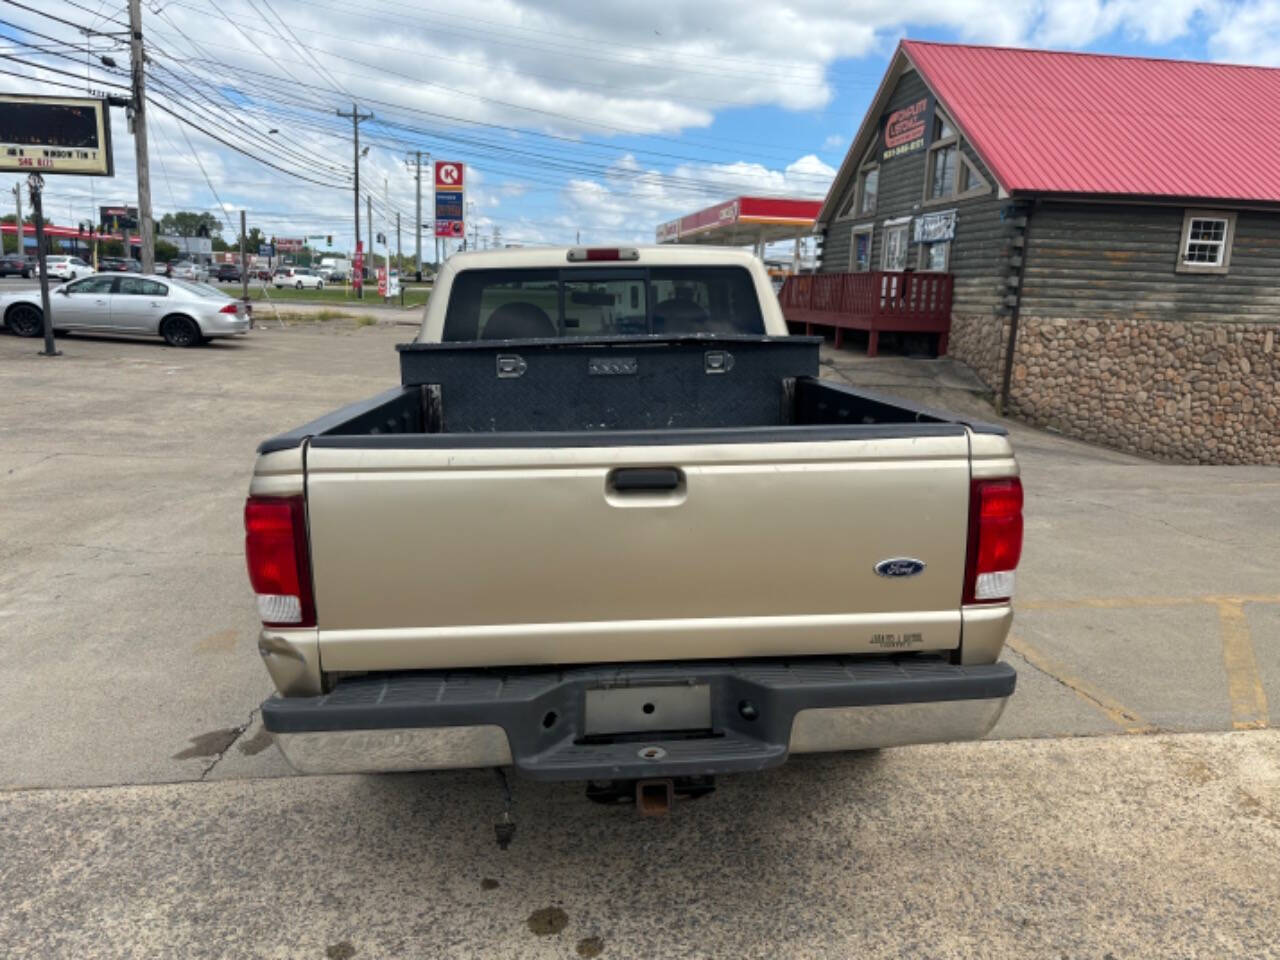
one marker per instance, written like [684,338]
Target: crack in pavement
[1125,718]
[240,730]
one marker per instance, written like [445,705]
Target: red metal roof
[1089,123]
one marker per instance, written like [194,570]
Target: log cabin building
[1097,236]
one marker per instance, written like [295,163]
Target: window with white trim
[1207,237]
[866,186]
[860,248]
[935,257]
[894,254]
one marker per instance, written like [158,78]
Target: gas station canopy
[744,221]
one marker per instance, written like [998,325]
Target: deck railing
[875,300]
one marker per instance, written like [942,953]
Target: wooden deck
[876,301]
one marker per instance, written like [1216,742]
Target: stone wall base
[1186,392]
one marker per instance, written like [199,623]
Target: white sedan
[184,313]
[300,278]
[67,268]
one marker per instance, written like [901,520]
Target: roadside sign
[449,205]
[266,250]
[450,228]
[449,176]
[382,281]
[55,135]
[357,267]
[290,244]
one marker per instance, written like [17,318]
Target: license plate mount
[615,710]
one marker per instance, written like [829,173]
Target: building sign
[668,232]
[290,244]
[55,135]
[934,227]
[905,129]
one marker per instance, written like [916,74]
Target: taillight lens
[275,549]
[995,539]
[229,308]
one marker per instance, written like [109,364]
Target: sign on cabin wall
[934,227]
[905,131]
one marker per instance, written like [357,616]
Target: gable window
[860,248]
[894,251]
[943,153]
[866,186]
[1207,236]
[949,174]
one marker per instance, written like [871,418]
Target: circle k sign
[449,175]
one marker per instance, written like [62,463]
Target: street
[128,660]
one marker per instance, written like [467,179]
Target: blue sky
[597,119]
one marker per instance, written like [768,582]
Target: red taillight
[995,539]
[275,548]
[229,308]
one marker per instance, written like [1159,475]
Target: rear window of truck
[608,302]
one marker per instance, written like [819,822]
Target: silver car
[184,313]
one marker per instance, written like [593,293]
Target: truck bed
[459,520]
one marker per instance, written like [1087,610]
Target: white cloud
[834,141]
[1248,34]
[1077,23]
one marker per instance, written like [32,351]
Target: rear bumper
[536,719]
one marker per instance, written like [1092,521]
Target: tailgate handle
[644,479]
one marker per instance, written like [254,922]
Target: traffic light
[328,241]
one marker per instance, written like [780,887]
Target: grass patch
[365,321]
[264,316]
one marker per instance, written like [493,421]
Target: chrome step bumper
[759,711]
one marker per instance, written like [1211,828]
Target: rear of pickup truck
[450,576]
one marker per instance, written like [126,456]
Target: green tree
[165,251]
[190,223]
[252,241]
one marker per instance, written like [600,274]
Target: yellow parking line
[1119,603]
[1128,720]
[1244,685]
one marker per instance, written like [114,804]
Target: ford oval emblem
[900,567]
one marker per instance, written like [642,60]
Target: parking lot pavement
[1147,598]
[1103,847]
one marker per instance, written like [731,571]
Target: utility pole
[355,116]
[137,58]
[244,262]
[22,236]
[417,209]
[399,261]
[368,202]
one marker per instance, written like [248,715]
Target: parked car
[764,563]
[17,265]
[119,265]
[184,313]
[228,273]
[66,268]
[185,270]
[298,277]
[336,275]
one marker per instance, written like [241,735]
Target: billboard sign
[191,246]
[290,244]
[119,217]
[449,176]
[450,228]
[69,135]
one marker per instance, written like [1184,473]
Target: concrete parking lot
[1148,604]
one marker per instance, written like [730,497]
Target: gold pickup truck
[612,526]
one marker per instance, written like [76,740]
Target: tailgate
[434,557]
